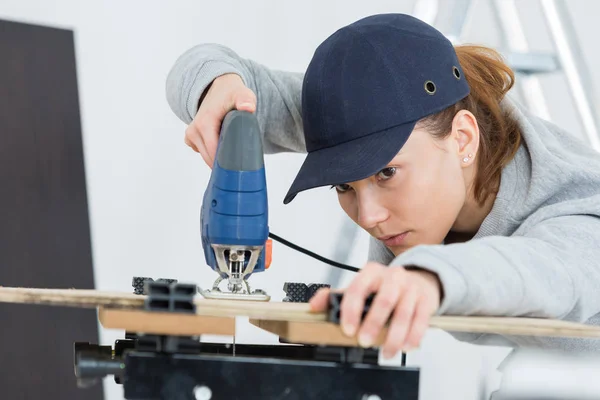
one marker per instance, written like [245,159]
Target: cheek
[437,195]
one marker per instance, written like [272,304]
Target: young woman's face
[415,199]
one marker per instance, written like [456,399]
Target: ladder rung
[532,63]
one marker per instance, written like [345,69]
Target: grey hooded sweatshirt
[537,253]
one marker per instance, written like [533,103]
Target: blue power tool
[234,215]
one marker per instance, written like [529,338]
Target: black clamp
[170,297]
[163,295]
[139,282]
[168,344]
[333,316]
[297,292]
[335,301]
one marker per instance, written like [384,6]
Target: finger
[401,321]
[206,136]
[204,153]
[193,138]
[382,307]
[320,300]
[210,141]
[210,125]
[190,144]
[353,301]
[244,100]
[419,325]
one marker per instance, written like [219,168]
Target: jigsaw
[234,214]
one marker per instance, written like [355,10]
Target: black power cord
[311,254]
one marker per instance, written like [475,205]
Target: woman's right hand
[226,93]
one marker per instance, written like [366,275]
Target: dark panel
[44,227]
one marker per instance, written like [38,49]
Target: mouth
[393,240]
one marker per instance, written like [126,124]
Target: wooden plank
[80,298]
[319,333]
[515,326]
[165,323]
[209,307]
[271,310]
[326,333]
[296,312]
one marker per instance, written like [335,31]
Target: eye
[344,187]
[386,173]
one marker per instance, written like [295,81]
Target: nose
[370,211]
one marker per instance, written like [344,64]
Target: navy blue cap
[364,90]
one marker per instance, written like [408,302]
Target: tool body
[234,214]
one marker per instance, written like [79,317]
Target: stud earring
[467,158]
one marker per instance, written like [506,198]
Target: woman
[474,206]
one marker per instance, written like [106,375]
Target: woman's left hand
[409,297]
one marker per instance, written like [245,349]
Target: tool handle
[240,146]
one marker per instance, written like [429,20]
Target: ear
[465,131]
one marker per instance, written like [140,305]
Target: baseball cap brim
[350,161]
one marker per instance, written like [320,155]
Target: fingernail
[365,340]
[407,348]
[348,329]
[246,105]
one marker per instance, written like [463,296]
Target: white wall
[145,187]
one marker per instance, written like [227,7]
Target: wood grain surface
[160,323]
[293,321]
[326,333]
[209,307]
[320,333]
[79,298]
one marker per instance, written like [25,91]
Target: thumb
[320,300]
[244,99]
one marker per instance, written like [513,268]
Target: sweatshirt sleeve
[550,271]
[278,93]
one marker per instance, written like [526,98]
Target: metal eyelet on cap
[456,72]
[430,87]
